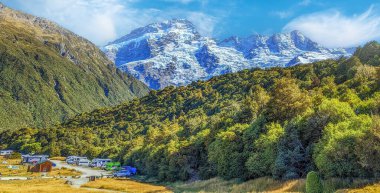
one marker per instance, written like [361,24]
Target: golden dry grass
[5,171]
[374,188]
[264,184]
[22,171]
[39,186]
[126,185]
[64,172]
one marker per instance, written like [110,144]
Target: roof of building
[35,156]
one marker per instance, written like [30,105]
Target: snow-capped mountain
[174,53]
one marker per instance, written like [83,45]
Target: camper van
[74,159]
[6,152]
[83,161]
[34,159]
[71,159]
[98,162]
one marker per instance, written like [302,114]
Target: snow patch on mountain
[174,53]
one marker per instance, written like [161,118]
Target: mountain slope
[280,122]
[47,73]
[174,53]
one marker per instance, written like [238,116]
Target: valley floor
[140,184]
[39,186]
[269,185]
[213,185]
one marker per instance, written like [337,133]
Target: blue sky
[338,23]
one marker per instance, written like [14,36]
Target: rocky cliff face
[174,53]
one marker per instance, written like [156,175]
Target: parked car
[122,173]
[131,169]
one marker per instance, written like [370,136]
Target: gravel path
[86,172]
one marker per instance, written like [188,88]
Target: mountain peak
[178,23]
[297,32]
[182,27]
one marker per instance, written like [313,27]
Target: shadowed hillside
[48,74]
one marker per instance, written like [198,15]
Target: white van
[83,162]
[98,162]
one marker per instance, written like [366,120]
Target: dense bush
[313,183]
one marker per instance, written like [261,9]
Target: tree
[227,152]
[313,183]
[348,68]
[254,104]
[329,111]
[368,149]
[334,154]
[292,160]
[261,160]
[31,148]
[287,101]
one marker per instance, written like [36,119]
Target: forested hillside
[280,122]
[48,73]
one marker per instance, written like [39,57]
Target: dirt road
[86,172]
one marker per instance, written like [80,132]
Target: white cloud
[333,29]
[102,21]
[96,20]
[181,1]
[304,3]
[283,14]
[205,23]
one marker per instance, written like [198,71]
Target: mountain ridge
[173,53]
[49,73]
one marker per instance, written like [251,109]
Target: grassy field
[126,185]
[22,170]
[39,186]
[269,185]
[375,188]
[218,185]
[372,188]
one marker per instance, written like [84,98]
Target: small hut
[45,166]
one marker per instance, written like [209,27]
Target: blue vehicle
[122,173]
[131,169]
[125,171]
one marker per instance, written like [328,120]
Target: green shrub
[313,183]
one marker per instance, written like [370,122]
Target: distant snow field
[174,53]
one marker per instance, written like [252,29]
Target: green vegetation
[313,183]
[279,122]
[113,166]
[48,74]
